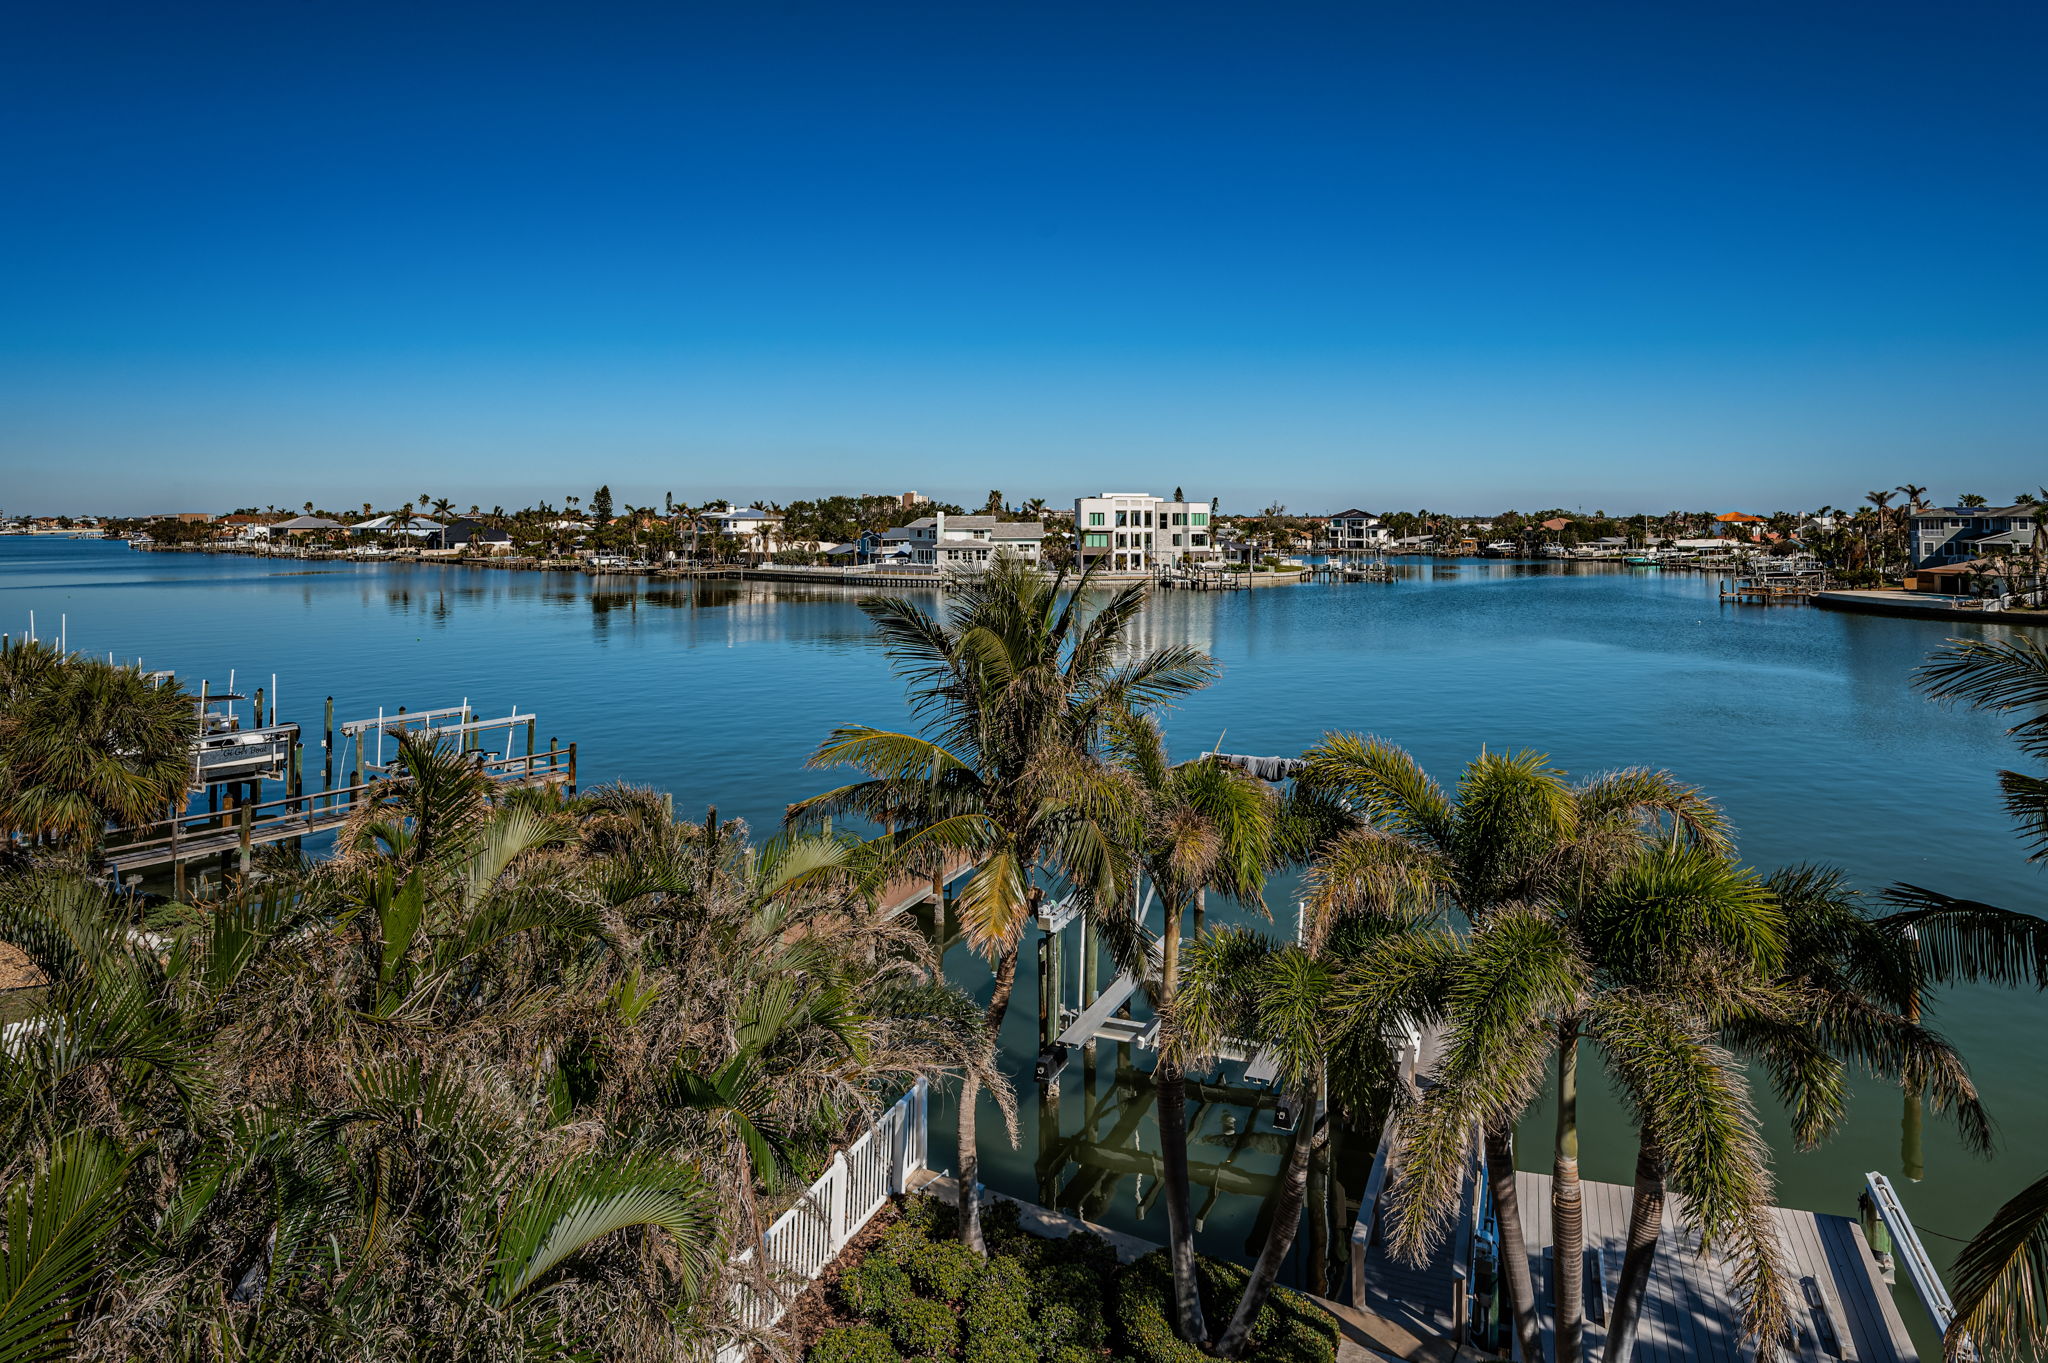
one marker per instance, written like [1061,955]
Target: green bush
[996,1316]
[1067,1302]
[921,1327]
[1073,1353]
[900,1240]
[935,1217]
[872,1286]
[942,1269]
[1290,1329]
[853,1344]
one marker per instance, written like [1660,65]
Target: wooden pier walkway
[1844,1309]
[236,829]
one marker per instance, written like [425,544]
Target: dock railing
[858,1183]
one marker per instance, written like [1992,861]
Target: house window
[1200,518]
[1198,540]
[1148,518]
[1178,539]
[1095,518]
[1123,517]
[1095,541]
[1123,541]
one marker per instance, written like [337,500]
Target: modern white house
[1954,534]
[1135,532]
[1354,530]
[943,541]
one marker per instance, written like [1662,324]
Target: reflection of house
[944,541]
[1136,532]
[1355,529]
[1952,534]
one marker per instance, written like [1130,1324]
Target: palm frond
[1999,1283]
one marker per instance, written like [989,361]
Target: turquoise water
[1800,721]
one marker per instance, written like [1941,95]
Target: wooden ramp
[1843,1308]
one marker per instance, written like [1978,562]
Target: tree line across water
[513,1074]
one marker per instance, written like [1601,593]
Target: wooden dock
[237,828]
[1843,1307]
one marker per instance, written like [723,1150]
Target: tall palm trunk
[1171,1082]
[970,1096]
[1279,1239]
[1514,1250]
[1567,1208]
[1645,1220]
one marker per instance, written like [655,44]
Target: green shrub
[1067,1299]
[853,1344]
[1073,1353]
[996,1315]
[872,1286]
[900,1239]
[936,1217]
[942,1269]
[1290,1329]
[921,1327]
[1086,1247]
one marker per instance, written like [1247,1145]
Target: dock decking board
[1691,1315]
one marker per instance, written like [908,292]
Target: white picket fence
[860,1179]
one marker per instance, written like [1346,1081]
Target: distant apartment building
[943,541]
[1356,530]
[1135,532]
[1954,534]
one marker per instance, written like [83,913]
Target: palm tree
[1204,825]
[1913,493]
[1634,967]
[1516,833]
[85,743]
[1013,687]
[1322,1014]
[1880,500]
[485,990]
[2000,1275]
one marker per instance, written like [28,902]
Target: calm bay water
[1801,722]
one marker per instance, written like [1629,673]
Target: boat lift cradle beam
[1907,1249]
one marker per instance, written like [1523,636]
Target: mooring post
[327,750]
[258,716]
[248,825]
[572,768]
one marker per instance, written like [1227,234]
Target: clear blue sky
[1455,255]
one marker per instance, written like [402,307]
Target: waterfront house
[464,533]
[1943,535]
[418,527]
[298,527]
[1136,532]
[943,541]
[758,532]
[1739,525]
[1354,531]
